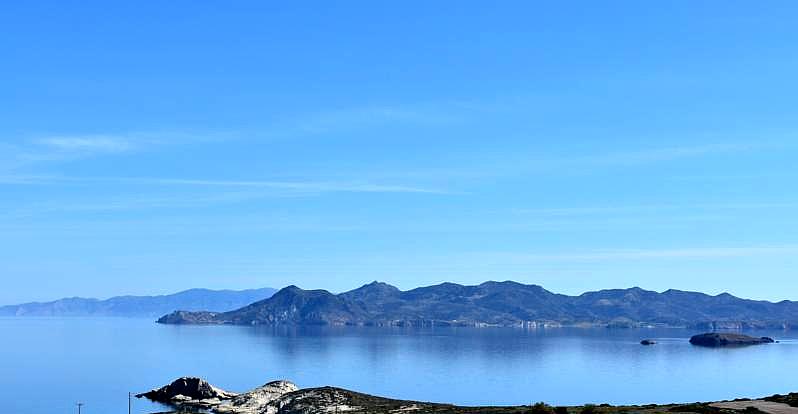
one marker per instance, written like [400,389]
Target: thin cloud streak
[643,254]
[539,164]
[77,147]
[91,144]
[128,204]
[56,148]
[20,179]
[655,155]
[605,210]
[665,154]
[335,121]
[291,186]
[302,186]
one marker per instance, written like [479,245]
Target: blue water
[48,364]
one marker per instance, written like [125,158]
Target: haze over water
[50,363]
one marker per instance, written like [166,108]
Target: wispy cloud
[34,151]
[640,254]
[650,208]
[76,147]
[118,204]
[662,154]
[657,155]
[299,186]
[88,144]
[20,179]
[340,120]
[307,186]
[527,163]
[200,192]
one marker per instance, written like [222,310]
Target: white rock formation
[257,400]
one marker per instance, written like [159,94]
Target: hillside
[501,304]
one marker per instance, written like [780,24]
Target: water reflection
[100,360]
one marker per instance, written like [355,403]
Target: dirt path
[766,406]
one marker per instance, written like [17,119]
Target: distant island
[191,394]
[142,306]
[501,304]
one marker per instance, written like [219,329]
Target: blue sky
[150,147]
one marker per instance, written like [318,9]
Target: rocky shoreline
[189,394]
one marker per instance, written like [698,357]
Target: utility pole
[80,404]
[129,402]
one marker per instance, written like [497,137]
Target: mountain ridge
[196,299]
[506,303]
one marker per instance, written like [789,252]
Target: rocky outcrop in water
[188,318]
[718,339]
[188,391]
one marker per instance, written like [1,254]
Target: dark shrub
[589,409]
[541,408]
[695,408]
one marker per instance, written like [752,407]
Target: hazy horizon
[582,146]
[404,289]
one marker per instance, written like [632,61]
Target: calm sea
[48,364]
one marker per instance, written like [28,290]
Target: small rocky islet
[191,394]
[721,339]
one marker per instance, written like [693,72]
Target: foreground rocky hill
[142,306]
[284,397]
[501,304]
